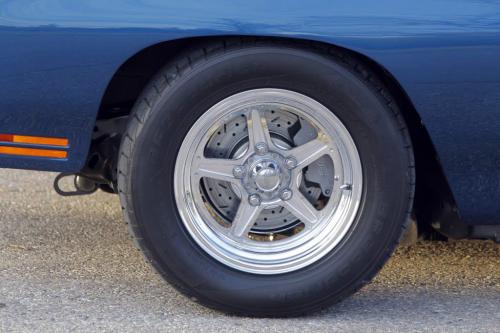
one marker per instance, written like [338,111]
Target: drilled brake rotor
[231,141]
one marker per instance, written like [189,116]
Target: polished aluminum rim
[268,181]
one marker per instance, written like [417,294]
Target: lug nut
[254,200]
[261,148]
[238,171]
[290,162]
[286,194]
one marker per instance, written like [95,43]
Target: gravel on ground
[68,264]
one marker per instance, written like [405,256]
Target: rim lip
[284,255]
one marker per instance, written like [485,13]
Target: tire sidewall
[386,182]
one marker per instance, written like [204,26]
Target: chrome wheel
[268,181]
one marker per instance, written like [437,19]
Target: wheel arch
[434,202]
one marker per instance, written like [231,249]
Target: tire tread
[185,63]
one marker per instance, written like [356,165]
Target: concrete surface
[67,264]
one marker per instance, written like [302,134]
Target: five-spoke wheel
[287,146]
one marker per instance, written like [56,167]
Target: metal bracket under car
[100,169]
[83,185]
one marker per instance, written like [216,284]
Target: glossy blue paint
[58,56]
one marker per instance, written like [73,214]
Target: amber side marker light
[33,152]
[33,140]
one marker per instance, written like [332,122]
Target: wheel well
[434,204]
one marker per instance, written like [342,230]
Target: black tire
[188,87]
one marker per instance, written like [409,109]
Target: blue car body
[58,57]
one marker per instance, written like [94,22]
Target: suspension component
[99,171]
[82,184]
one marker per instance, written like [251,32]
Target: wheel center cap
[266,175]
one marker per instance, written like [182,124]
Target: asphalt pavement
[68,264]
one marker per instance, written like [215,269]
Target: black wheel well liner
[434,203]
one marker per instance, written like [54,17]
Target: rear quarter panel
[57,58]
